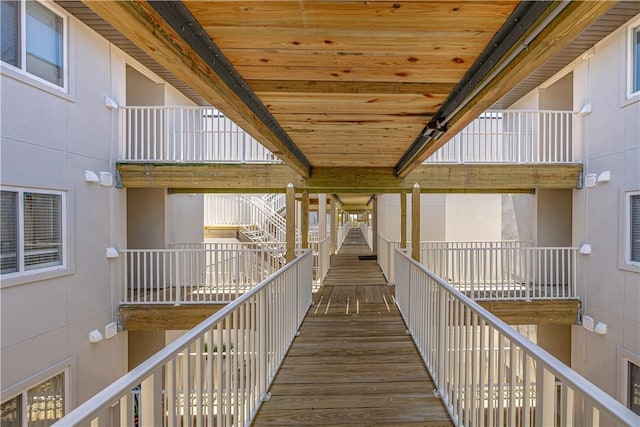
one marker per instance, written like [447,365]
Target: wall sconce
[106,179]
[110,330]
[90,176]
[604,176]
[590,180]
[95,336]
[112,253]
[588,323]
[585,249]
[110,103]
[601,328]
[585,110]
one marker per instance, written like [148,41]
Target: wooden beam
[319,86]
[576,17]
[165,317]
[143,25]
[334,227]
[433,178]
[547,312]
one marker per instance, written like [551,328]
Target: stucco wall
[48,140]
[610,141]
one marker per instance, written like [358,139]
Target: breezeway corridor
[353,363]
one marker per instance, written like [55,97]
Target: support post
[415,222]
[291,223]
[322,216]
[304,220]
[403,220]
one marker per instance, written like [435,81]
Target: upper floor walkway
[196,149]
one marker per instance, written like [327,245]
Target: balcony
[186,135]
[519,283]
[196,149]
[512,136]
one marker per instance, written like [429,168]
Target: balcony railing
[515,383]
[503,270]
[186,134]
[321,259]
[507,270]
[510,136]
[197,273]
[232,359]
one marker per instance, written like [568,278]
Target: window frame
[633,59]
[66,368]
[22,272]
[628,228]
[22,47]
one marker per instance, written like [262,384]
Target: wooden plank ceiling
[352,83]
[336,86]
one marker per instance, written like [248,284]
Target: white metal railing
[511,136]
[503,270]
[192,273]
[224,209]
[252,212]
[367,232]
[386,258]
[516,383]
[342,233]
[186,134]
[276,201]
[321,258]
[217,373]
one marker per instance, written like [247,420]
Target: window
[633,236]
[634,59]
[33,40]
[31,230]
[633,393]
[41,405]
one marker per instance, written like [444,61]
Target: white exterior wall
[610,141]
[48,140]
[445,217]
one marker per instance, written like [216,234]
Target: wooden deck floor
[353,364]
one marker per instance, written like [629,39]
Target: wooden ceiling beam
[342,87]
[140,22]
[569,23]
[440,178]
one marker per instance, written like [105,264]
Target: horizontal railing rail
[512,136]
[219,372]
[504,270]
[517,383]
[186,134]
[197,273]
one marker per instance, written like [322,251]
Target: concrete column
[322,216]
[415,222]
[304,223]
[291,223]
[403,220]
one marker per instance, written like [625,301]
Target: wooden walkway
[353,363]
